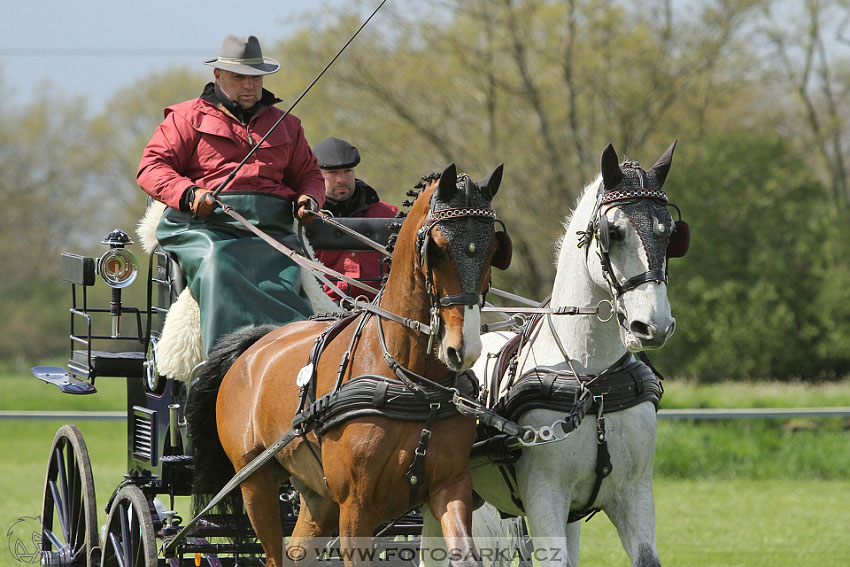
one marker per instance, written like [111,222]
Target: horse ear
[448,184]
[611,172]
[662,166]
[490,184]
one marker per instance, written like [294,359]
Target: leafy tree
[43,173]
[756,297]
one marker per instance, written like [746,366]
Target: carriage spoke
[59,508]
[60,490]
[115,543]
[76,524]
[125,532]
[53,539]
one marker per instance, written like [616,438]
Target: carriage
[539,395]
[121,341]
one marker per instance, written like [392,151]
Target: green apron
[238,280]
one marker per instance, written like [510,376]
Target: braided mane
[420,186]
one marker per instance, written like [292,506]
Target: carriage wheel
[129,540]
[69,512]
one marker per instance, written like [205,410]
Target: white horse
[614,252]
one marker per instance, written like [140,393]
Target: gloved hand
[203,203]
[305,209]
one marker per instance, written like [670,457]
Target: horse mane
[559,243]
[394,228]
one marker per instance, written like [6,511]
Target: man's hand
[203,203]
[305,209]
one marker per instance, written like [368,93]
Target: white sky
[94,47]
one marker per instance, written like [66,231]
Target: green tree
[756,297]
[44,176]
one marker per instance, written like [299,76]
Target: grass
[690,394]
[737,493]
[732,523]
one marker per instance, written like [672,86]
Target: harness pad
[371,395]
[547,388]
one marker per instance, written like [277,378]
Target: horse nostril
[641,329]
[454,357]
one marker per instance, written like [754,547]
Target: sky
[94,47]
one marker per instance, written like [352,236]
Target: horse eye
[614,233]
[437,253]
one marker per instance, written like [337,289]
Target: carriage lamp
[118,268]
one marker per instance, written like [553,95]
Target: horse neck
[590,344]
[405,294]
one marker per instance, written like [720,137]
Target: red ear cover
[680,241]
[502,257]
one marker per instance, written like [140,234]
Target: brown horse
[357,472]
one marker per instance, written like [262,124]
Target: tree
[756,297]
[44,163]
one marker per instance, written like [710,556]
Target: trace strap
[169,546]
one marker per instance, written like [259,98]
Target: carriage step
[184,460]
[104,363]
[62,379]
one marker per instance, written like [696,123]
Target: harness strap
[461,299]
[509,476]
[416,473]
[343,363]
[603,467]
[650,276]
[246,471]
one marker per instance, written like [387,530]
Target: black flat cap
[333,153]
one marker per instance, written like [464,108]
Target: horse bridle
[475,251]
[599,230]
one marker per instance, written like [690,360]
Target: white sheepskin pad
[181,348]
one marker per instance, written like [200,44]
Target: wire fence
[665,414]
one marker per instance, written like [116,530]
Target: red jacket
[199,144]
[358,264]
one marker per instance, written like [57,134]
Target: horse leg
[547,524]
[433,551]
[260,495]
[452,506]
[498,541]
[318,517]
[357,523]
[573,542]
[634,516]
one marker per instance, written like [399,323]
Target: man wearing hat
[237,279]
[347,196]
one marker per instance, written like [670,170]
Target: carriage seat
[323,236]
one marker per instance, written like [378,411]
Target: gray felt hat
[243,55]
[333,153]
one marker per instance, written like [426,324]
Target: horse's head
[634,235]
[451,229]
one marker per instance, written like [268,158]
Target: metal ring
[610,312]
[564,425]
[546,433]
[527,435]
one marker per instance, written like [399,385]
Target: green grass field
[738,493]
